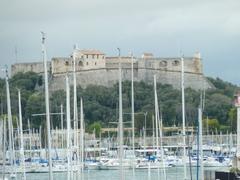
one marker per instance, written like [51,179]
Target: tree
[212,124]
[232,119]
[95,127]
[35,105]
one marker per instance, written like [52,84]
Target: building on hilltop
[93,67]
[85,60]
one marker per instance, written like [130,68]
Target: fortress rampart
[93,67]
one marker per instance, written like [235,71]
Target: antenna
[75,47]
[43,37]
[16,53]
[119,52]
[5,69]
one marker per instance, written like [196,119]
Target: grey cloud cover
[162,27]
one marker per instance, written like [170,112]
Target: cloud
[158,26]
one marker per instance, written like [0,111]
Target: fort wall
[94,68]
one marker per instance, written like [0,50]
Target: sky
[162,27]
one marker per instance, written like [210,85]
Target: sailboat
[145,164]
[120,163]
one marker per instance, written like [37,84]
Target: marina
[119,90]
[71,153]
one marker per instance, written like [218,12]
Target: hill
[101,103]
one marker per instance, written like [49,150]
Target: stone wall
[25,67]
[100,70]
[108,77]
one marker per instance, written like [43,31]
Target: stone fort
[93,67]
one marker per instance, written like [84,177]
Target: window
[175,63]
[95,63]
[87,56]
[80,63]
[66,63]
[93,56]
[87,63]
[163,63]
[97,56]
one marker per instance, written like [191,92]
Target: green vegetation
[95,128]
[101,103]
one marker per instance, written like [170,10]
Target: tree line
[101,103]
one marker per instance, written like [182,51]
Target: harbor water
[173,173]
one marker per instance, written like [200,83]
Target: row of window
[161,64]
[174,63]
[97,56]
[80,63]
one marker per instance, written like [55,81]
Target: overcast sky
[161,27]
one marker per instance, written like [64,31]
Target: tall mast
[75,111]
[21,134]
[156,112]
[68,127]
[47,105]
[161,144]
[120,121]
[133,134]
[4,148]
[82,139]
[62,124]
[237,104]
[133,120]
[183,119]
[238,131]
[153,130]
[30,135]
[10,126]
[200,141]
[40,137]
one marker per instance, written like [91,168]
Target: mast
[62,124]
[4,148]
[200,142]
[68,127]
[153,130]
[133,120]
[144,131]
[156,112]
[237,104]
[156,120]
[120,122]
[133,133]
[40,137]
[161,144]
[30,136]
[75,113]
[82,139]
[47,105]
[183,119]
[10,126]
[21,134]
